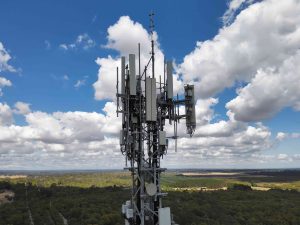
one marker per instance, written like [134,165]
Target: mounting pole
[151,15]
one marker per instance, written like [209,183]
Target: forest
[96,198]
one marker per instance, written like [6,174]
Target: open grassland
[83,180]
[294,185]
[170,181]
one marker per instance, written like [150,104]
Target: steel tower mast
[145,105]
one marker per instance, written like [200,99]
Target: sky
[58,64]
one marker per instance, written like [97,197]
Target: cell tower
[146,104]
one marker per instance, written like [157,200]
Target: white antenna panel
[132,75]
[164,216]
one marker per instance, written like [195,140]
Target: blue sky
[34,33]
[26,26]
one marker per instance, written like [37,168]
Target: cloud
[269,91]
[22,108]
[6,115]
[65,77]
[105,86]
[127,44]
[61,127]
[249,140]
[218,149]
[79,83]
[47,44]
[296,157]
[69,136]
[94,19]
[295,135]
[4,83]
[282,157]
[260,45]
[281,136]
[233,7]
[227,141]
[68,139]
[63,46]
[4,59]
[83,41]
[220,129]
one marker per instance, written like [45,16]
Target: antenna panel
[132,75]
[134,119]
[162,138]
[151,99]
[123,75]
[190,108]
[164,216]
[129,213]
[122,137]
[169,80]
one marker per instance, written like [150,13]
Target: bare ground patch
[6,196]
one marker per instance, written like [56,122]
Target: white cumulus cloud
[6,114]
[22,108]
[4,83]
[281,136]
[261,45]
[269,91]
[105,86]
[65,137]
[242,145]
[4,60]
[233,7]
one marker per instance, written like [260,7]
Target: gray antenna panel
[122,137]
[123,75]
[169,80]
[162,137]
[150,99]
[153,100]
[132,75]
[190,109]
